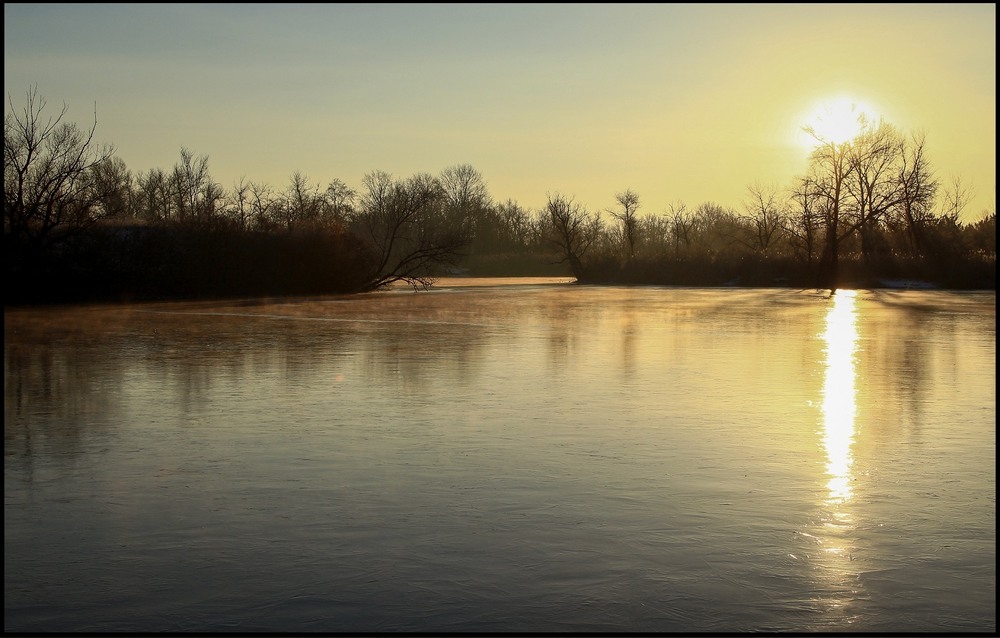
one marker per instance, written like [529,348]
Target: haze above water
[533,456]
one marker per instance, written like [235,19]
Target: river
[522,455]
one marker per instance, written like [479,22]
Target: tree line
[80,225]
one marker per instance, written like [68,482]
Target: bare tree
[514,224]
[917,188]
[945,237]
[153,195]
[716,229]
[262,206]
[628,202]
[765,216]
[113,188]
[681,226]
[196,197]
[803,225]
[655,235]
[466,196]
[302,202]
[238,204]
[830,165]
[873,185]
[341,198]
[405,229]
[572,230]
[954,199]
[49,193]
[983,236]
[869,185]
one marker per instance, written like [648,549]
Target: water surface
[481,457]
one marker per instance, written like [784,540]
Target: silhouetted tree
[716,229]
[153,195]
[654,236]
[872,197]
[983,236]
[873,187]
[48,184]
[238,203]
[403,226]
[917,188]
[196,197]
[864,187]
[466,198]
[302,203]
[954,199]
[830,165]
[765,218]
[572,231]
[263,206]
[628,205]
[804,223]
[514,226]
[682,227]
[113,188]
[341,199]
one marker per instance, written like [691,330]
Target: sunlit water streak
[839,408]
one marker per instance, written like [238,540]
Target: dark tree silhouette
[765,219]
[572,231]
[628,202]
[403,226]
[49,192]
[804,222]
[196,196]
[917,189]
[79,225]
[466,196]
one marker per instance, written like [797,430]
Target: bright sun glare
[835,120]
[839,404]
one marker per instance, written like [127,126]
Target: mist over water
[531,456]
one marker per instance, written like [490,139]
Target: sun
[835,120]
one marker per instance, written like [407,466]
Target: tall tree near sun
[829,168]
[873,185]
[879,175]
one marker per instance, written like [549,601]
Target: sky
[680,103]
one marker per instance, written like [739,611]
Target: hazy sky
[680,103]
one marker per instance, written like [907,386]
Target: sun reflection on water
[839,404]
[834,535]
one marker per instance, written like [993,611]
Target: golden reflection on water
[835,533]
[839,404]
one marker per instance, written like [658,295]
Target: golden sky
[678,102]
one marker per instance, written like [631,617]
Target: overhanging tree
[404,227]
